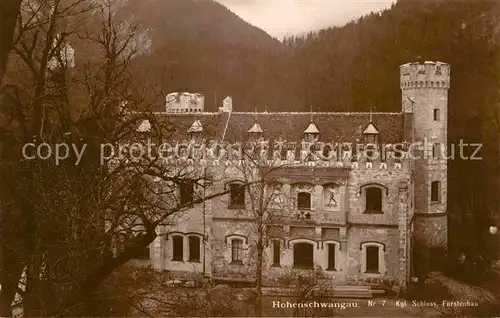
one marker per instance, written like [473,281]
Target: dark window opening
[373,200]
[372,261]
[331,257]
[276,253]
[187,192]
[436,151]
[435,191]
[194,249]
[326,151]
[304,201]
[236,251]
[237,196]
[178,248]
[438,70]
[303,256]
[436,114]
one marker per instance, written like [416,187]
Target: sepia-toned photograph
[249,158]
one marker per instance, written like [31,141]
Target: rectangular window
[303,255]
[194,249]
[236,251]
[436,114]
[436,151]
[372,261]
[186,191]
[276,253]
[373,200]
[304,201]
[435,191]
[237,196]
[331,257]
[177,248]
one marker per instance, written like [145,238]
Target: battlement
[305,154]
[434,75]
[185,103]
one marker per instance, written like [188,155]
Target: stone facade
[356,217]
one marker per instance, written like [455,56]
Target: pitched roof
[144,126]
[370,129]
[333,127]
[255,129]
[311,129]
[196,127]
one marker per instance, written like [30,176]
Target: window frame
[177,244]
[332,247]
[295,257]
[436,191]
[191,240]
[236,257]
[380,197]
[436,150]
[309,201]
[382,266]
[234,198]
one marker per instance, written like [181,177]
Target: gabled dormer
[196,130]
[311,134]
[370,133]
[144,126]
[255,132]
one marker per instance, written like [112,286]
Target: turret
[424,89]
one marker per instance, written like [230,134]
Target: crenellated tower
[424,87]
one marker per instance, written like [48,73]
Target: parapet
[434,75]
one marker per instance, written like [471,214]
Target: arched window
[194,249]
[303,255]
[373,258]
[177,248]
[373,200]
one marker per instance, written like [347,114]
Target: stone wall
[347,227]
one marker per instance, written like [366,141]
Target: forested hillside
[356,66]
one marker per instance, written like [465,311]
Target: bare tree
[65,219]
[305,287]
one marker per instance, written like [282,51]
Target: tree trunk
[260,251]
[9,9]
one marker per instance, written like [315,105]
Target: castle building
[360,195]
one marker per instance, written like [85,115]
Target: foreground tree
[9,10]
[63,221]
